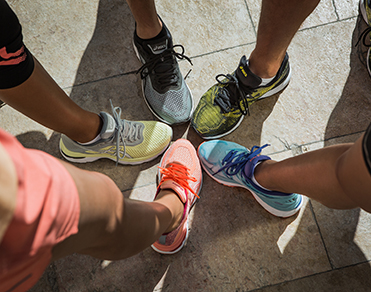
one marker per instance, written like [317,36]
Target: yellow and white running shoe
[125,142]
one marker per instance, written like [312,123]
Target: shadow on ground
[222,224]
[234,244]
[338,228]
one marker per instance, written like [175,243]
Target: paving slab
[55,35]
[346,9]
[206,26]
[233,244]
[354,278]
[324,13]
[306,111]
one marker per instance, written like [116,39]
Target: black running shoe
[165,91]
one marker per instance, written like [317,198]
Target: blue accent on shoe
[233,165]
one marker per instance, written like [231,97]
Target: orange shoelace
[179,174]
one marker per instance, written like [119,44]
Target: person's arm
[8,190]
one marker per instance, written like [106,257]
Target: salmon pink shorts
[47,211]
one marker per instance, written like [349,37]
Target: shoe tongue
[158,46]
[108,127]
[245,76]
[169,184]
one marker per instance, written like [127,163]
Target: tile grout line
[222,50]
[101,79]
[320,233]
[329,23]
[208,53]
[138,187]
[252,22]
[335,9]
[319,141]
[309,276]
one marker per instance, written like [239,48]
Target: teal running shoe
[233,165]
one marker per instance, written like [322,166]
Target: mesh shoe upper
[222,108]
[180,171]
[137,142]
[233,165]
[165,91]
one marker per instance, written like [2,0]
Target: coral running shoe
[222,108]
[233,165]
[181,172]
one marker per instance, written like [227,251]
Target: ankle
[149,31]
[261,174]
[264,67]
[91,129]
[170,199]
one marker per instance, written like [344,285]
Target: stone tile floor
[234,244]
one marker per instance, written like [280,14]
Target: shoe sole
[270,209]
[186,237]
[280,87]
[92,159]
[178,249]
[148,105]
[365,18]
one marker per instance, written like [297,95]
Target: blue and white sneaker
[233,165]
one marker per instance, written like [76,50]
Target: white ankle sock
[265,81]
[90,142]
[255,181]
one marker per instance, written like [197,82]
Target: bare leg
[279,21]
[144,12]
[336,176]
[41,99]
[111,227]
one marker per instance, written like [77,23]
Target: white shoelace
[126,131]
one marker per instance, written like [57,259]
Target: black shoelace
[231,95]
[163,66]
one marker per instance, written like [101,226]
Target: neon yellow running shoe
[123,141]
[222,108]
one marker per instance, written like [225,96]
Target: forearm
[313,174]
